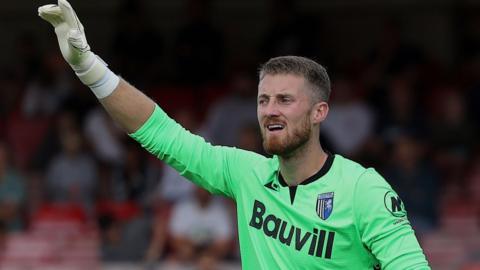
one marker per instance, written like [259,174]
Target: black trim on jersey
[293,189]
[325,168]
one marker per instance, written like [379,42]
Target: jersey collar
[325,168]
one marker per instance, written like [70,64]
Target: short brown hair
[314,73]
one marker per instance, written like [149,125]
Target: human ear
[319,112]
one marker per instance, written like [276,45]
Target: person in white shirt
[200,228]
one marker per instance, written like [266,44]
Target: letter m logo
[396,204]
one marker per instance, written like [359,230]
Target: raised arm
[213,168]
[128,106]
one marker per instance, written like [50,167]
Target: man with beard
[301,209]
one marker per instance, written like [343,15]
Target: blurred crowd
[395,108]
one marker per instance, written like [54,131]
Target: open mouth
[275,127]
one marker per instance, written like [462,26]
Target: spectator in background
[121,208]
[392,55]
[350,121]
[130,182]
[105,138]
[199,47]
[123,240]
[399,108]
[135,40]
[71,174]
[452,134]
[235,110]
[44,94]
[12,192]
[415,180]
[77,104]
[201,230]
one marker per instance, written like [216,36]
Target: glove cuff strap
[101,80]
[93,73]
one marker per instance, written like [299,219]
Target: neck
[303,163]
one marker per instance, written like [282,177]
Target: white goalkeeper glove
[90,69]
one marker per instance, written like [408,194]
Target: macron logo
[271,185]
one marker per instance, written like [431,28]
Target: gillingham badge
[325,205]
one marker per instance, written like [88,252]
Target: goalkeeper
[303,208]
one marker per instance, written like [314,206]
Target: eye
[262,101]
[285,100]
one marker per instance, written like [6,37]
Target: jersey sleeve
[383,225]
[215,168]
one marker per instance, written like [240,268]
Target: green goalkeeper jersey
[343,217]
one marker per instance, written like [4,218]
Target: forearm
[128,106]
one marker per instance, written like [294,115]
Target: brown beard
[285,146]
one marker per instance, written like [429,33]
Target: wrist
[90,70]
[95,74]
[105,85]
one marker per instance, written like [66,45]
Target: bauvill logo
[276,228]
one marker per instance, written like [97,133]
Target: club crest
[325,205]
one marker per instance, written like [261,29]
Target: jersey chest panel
[317,229]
